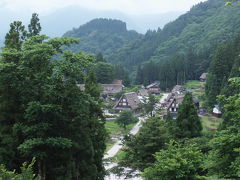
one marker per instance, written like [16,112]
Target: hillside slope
[205,26]
[102,35]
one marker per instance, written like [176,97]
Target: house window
[124,104]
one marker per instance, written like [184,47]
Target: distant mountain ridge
[99,24]
[102,35]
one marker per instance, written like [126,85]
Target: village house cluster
[127,101]
[173,101]
[134,100]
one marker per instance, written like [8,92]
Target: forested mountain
[201,29]
[102,35]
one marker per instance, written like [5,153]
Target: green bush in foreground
[26,173]
[175,163]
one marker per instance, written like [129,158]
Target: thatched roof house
[111,89]
[153,88]
[174,103]
[108,89]
[128,101]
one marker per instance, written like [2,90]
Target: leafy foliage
[26,173]
[176,162]
[126,118]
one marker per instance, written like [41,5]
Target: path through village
[118,145]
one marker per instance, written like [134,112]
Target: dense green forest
[102,36]
[175,70]
[201,29]
[225,65]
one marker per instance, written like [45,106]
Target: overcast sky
[124,6]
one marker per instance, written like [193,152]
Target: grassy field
[193,84]
[210,123]
[115,132]
[198,90]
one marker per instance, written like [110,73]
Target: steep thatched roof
[153,85]
[116,81]
[177,99]
[132,99]
[142,92]
[111,88]
[203,76]
[106,88]
[177,88]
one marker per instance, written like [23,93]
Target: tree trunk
[42,169]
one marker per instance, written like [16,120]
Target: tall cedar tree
[119,72]
[34,27]
[99,58]
[11,108]
[91,85]
[188,123]
[104,72]
[16,35]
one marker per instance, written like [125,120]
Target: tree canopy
[125,118]
[44,114]
[175,163]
